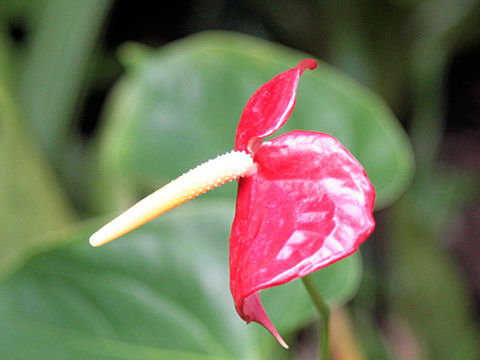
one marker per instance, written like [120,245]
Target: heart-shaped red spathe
[306,204]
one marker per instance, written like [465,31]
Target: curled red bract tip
[269,107]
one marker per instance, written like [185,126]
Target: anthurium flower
[303,200]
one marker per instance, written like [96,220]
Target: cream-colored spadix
[195,182]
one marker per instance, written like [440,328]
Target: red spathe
[306,203]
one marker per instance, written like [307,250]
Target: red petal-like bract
[269,107]
[306,204]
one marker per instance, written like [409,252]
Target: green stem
[324,312]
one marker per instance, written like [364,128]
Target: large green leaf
[180,105]
[54,69]
[161,292]
[32,205]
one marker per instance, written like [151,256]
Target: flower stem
[324,312]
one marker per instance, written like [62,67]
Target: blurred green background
[102,101]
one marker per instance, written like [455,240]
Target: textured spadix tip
[95,240]
[205,177]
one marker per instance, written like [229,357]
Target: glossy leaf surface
[159,293]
